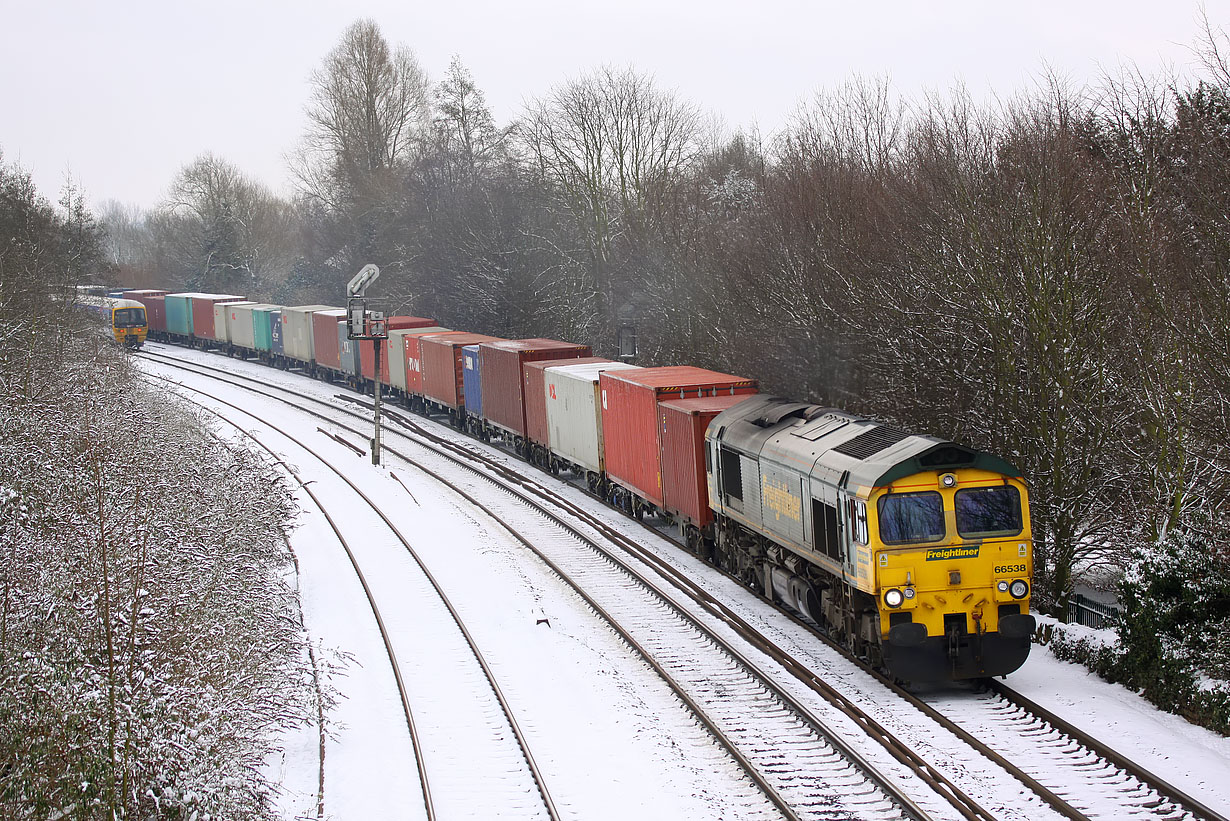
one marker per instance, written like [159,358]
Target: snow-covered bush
[1171,642]
[149,646]
[1176,615]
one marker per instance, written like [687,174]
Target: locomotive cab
[953,559]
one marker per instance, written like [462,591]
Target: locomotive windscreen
[985,512]
[911,517]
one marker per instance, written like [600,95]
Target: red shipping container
[500,366]
[203,313]
[326,346]
[440,359]
[682,425]
[155,304]
[630,417]
[412,356]
[535,375]
[367,355]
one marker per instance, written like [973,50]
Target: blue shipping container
[275,332]
[347,350]
[470,380]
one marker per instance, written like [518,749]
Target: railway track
[421,619]
[804,769]
[1087,768]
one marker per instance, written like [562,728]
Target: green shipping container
[179,313]
[262,326]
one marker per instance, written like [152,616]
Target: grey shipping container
[297,331]
[574,411]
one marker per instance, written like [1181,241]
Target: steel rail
[522,741]
[384,633]
[964,804]
[1187,802]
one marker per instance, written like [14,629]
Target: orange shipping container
[440,357]
[326,345]
[503,384]
[630,418]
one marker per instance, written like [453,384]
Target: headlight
[909,593]
[1002,586]
[893,598]
[1019,589]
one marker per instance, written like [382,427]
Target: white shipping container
[239,328]
[574,411]
[222,320]
[297,330]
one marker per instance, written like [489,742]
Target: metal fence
[1082,610]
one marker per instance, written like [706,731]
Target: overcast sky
[122,94]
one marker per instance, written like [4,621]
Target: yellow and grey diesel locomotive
[914,551]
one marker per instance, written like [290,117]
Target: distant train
[125,318]
[914,551]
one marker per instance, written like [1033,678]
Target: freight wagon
[537,428]
[297,342]
[499,366]
[574,419]
[223,314]
[631,425]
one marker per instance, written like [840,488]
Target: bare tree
[609,145]
[221,231]
[369,105]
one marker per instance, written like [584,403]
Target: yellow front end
[953,562]
[129,326]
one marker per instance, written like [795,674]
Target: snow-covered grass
[149,645]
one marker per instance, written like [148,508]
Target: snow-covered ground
[1191,758]
[631,753]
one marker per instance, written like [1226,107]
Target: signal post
[363,324]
